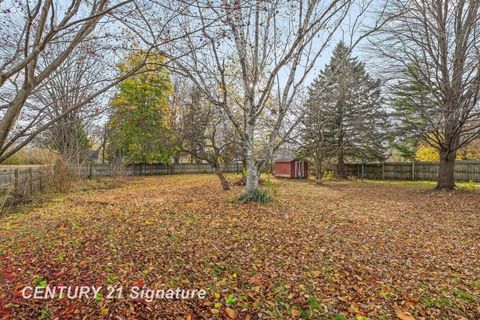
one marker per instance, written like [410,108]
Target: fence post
[413,170]
[383,170]
[30,180]
[363,170]
[40,179]
[90,170]
[15,181]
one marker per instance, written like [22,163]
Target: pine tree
[345,118]
[412,106]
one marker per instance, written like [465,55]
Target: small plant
[256,195]
[230,300]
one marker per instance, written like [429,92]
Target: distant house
[93,155]
[291,168]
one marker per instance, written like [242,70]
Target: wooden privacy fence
[25,180]
[465,170]
[102,170]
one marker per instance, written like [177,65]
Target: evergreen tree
[412,107]
[345,118]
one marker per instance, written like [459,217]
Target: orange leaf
[230,313]
[296,313]
[403,316]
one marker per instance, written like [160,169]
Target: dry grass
[32,156]
[344,250]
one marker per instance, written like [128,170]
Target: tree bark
[252,173]
[318,171]
[446,178]
[223,180]
[14,109]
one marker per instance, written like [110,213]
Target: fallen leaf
[296,313]
[230,312]
[403,315]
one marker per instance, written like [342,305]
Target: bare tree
[32,28]
[69,85]
[203,131]
[433,48]
[272,43]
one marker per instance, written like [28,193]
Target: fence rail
[465,170]
[25,180]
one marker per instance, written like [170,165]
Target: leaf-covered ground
[344,250]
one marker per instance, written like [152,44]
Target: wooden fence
[102,170]
[25,180]
[465,170]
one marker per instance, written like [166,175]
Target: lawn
[343,250]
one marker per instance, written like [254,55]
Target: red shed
[291,168]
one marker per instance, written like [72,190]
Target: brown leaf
[230,313]
[403,315]
[256,280]
[410,304]
[296,313]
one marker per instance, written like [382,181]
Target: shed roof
[285,159]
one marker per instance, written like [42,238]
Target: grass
[463,185]
[341,250]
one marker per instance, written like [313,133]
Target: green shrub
[256,195]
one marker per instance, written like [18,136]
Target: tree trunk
[12,113]
[341,166]
[176,159]
[318,171]
[244,166]
[252,173]
[446,178]
[223,180]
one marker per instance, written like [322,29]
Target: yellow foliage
[427,153]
